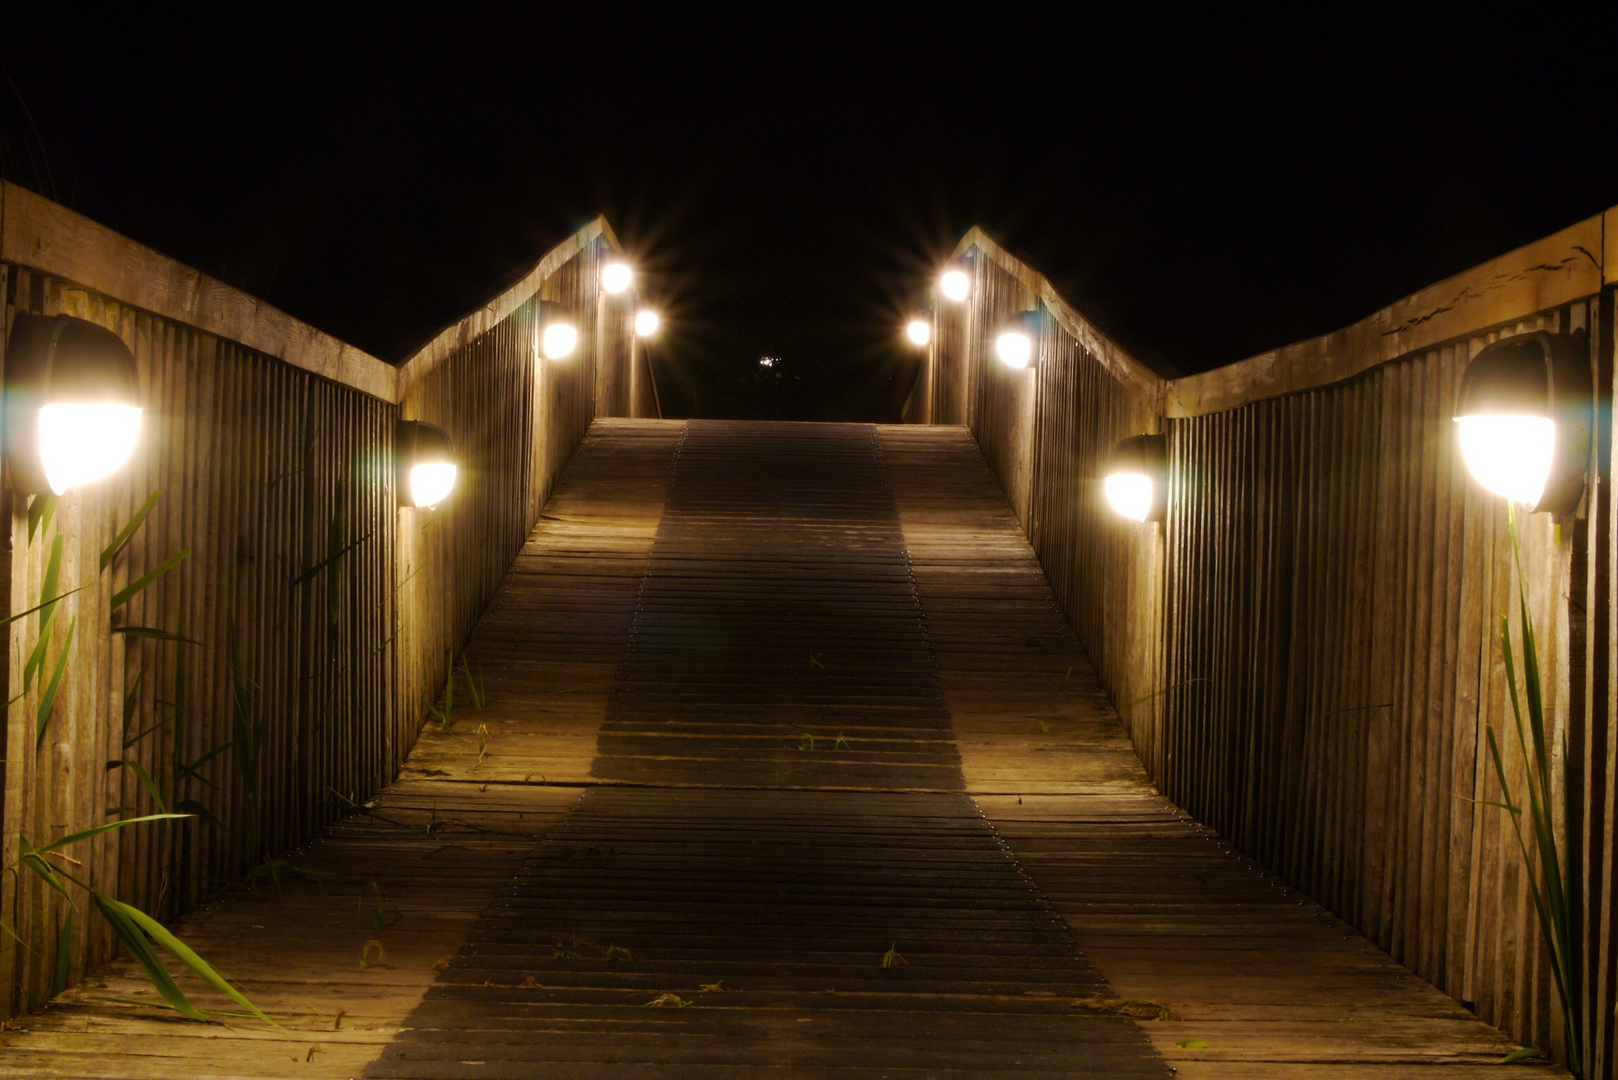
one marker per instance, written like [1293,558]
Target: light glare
[954,284]
[1129,494]
[431,481]
[616,277]
[1014,348]
[1510,455]
[80,444]
[647,323]
[559,340]
[919,331]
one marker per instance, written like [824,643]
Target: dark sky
[1204,184]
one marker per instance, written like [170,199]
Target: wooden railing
[318,618]
[1306,651]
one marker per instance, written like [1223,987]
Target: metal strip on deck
[736,897]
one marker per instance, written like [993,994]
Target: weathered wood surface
[1166,910]
[686,880]
[274,455]
[438,843]
[778,813]
[1305,653]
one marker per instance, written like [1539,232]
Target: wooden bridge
[721,749]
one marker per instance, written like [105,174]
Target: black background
[1203,182]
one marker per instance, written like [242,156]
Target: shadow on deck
[789,761]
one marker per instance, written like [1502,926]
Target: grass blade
[47,701]
[181,952]
[97,830]
[64,953]
[125,534]
[134,588]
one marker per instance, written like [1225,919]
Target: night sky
[1203,185]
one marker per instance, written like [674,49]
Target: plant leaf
[64,953]
[97,830]
[145,779]
[181,952]
[153,634]
[1527,1053]
[125,534]
[47,701]
[133,589]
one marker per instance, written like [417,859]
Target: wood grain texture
[438,844]
[277,481]
[1172,915]
[1305,653]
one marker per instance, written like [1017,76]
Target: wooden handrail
[46,236]
[1566,266]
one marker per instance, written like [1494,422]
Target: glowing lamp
[954,284]
[617,276]
[1014,340]
[1523,419]
[426,462]
[919,331]
[1135,478]
[647,323]
[73,409]
[559,334]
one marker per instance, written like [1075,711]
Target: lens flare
[82,443]
[954,284]
[1509,455]
[919,331]
[647,323]
[431,481]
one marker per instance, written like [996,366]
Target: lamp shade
[73,406]
[1523,419]
[426,463]
[1135,478]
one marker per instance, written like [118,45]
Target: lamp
[72,408]
[954,284]
[919,331]
[1523,417]
[1014,340]
[426,463]
[1135,478]
[617,276]
[559,334]
[647,322]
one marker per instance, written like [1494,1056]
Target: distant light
[1130,494]
[617,276]
[431,482]
[1509,455]
[647,323]
[83,443]
[767,361]
[559,340]
[955,285]
[1014,348]
[919,331]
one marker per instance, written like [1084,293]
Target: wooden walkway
[784,698]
